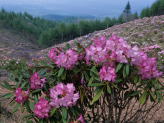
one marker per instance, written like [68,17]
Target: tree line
[48,33]
[157,8]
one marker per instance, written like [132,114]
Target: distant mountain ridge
[67,18]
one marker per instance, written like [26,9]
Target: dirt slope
[15,45]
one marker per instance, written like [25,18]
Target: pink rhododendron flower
[36,82]
[63,95]
[52,54]
[148,68]
[42,108]
[67,59]
[100,41]
[21,96]
[64,59]
[96,54]
[118,48]
[81,119]
[107,73]
[137,56]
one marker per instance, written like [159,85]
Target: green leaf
[119,66]
[134,93]
[32,105]
[64,115]
[29,116]
[94,70]
[7,86]
[86,76]
[97,96]
[53,111]
[27,106]
[114,85]
[124,72]
[60,71]
[97,79]
[23,84]
[152,96]
[63,76]
[143,97]
[136,79]
[119,80]
[96,84]
[20,79]
[36,98]
[109,89]
[76,70]
[29,121]
[36,91]
[43,71]
[127,69]
[159,96]
[7,95]
[68,46]
[90,81]
[16,108]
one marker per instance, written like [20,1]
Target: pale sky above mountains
[74,7]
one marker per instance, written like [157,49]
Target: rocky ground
[142,32]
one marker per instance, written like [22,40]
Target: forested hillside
[48,32]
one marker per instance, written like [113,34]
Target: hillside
[15,45]
[146,31]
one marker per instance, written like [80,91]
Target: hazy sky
[75,7]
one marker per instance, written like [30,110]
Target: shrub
[92,82]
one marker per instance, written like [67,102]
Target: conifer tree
[126,15]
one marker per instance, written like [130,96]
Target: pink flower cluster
[147,66]
[116,49]
[149,69]
[107,73]
[64,59]
[63,95]
[36,82]
[42,108]
[103,50]
[21,96]
[96,53]
[109,51]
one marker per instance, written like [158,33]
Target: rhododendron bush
[81,83]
